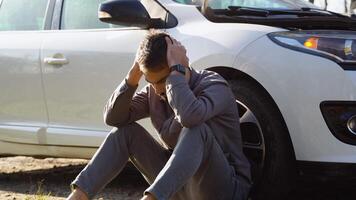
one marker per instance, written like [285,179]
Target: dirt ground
[48,179]
[41,179]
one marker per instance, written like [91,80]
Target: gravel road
[41,179]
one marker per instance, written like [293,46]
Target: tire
[266,140]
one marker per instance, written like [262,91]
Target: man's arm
[123,107]
[193,110]
[170,131]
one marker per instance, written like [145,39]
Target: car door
[84,60]
[23,116]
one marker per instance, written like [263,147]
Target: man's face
[157,79]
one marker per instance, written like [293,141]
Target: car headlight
[337,46]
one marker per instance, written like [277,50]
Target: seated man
[197,119]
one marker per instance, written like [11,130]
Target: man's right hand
[134,75]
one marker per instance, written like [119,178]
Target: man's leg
[131,141]
[198,169]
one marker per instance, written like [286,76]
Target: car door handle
[56,61]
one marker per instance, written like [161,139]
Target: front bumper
[340,117]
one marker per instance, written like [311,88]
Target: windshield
[264,4]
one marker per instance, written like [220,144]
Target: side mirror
[127,13]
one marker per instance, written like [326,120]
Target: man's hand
[176,52]
[134,75]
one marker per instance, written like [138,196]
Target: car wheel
[266,141]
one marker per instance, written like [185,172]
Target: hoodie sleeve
[191,109]
[124,107]
[170,131]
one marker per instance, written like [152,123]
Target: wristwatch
[179,68]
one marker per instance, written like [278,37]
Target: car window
[82,14]
[19,15]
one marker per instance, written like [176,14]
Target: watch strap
[179,68]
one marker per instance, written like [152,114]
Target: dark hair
[152,53]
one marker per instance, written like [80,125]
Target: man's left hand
[176,52]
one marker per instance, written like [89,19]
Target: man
[196,116]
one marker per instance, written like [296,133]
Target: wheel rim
[253,140]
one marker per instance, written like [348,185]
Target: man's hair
[152,53]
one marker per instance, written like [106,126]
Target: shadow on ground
[55,181]
[307,189]
[130,185]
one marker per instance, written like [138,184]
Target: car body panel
[23,110]
[11,148]
[76,92]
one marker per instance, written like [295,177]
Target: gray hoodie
[207,98]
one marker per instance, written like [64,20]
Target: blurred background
[340,6]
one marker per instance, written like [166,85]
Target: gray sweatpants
[196,170]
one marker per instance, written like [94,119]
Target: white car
[291,66]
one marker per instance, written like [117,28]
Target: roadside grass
[40,194]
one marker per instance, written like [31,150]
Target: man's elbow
[115,121]
[107,117]
[108,121]
[191,117]
[189,122]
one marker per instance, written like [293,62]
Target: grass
[40,194]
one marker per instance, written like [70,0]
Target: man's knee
[201,130]
[128,132]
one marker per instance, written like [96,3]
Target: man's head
[152,58]
[152,53]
